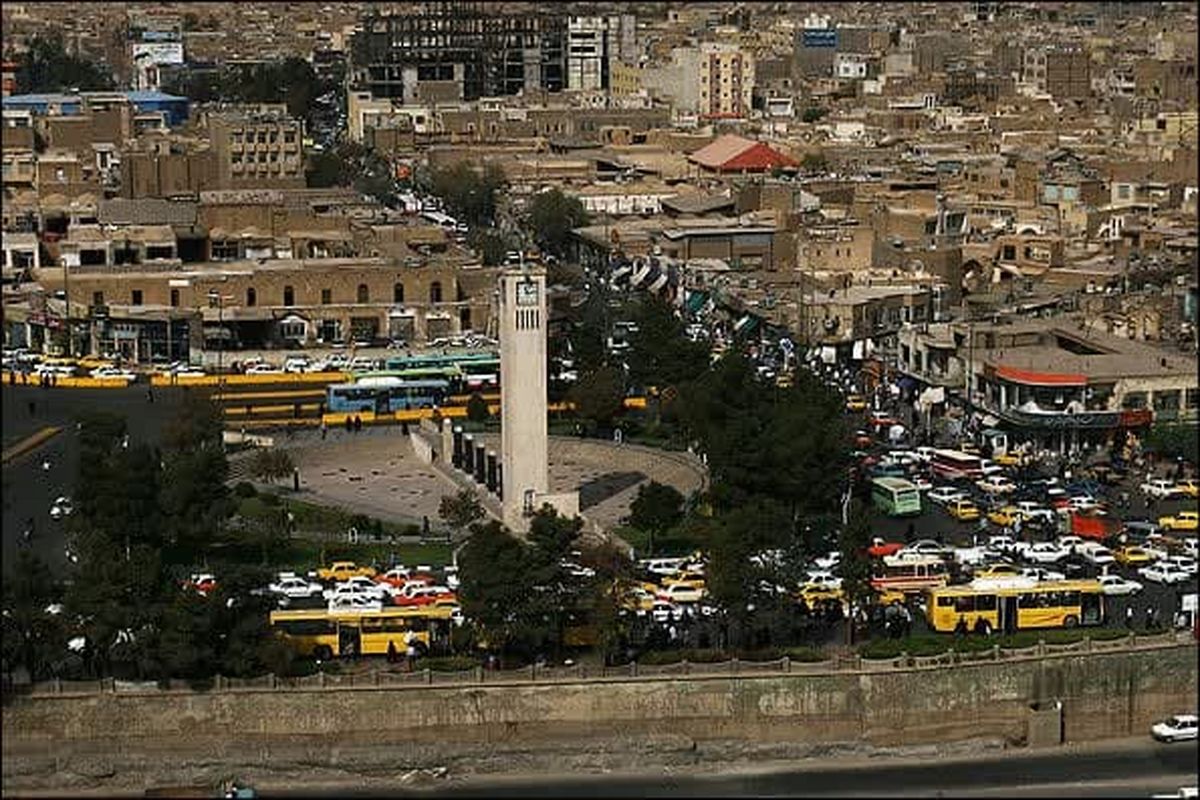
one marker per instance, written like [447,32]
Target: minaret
[524,454]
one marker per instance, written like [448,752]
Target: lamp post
[217,300]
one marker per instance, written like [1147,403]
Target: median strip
[29,444]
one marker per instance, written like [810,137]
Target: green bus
[896,497]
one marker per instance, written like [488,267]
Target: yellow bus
[1016,606]
[326,634]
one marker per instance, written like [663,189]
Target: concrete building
[257,149]
[594,45]
[726,78]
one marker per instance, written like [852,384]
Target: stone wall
[613,723]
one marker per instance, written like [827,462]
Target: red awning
[1032,378]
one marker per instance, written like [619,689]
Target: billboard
[820,38]
[145,53]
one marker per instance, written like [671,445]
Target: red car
[879,548]
[201,582]
[421,595]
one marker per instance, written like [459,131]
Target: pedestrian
[391,652]
[425,525]
[32,409]
[1149,616]
[357,424]
[324,429]
[411,653]
[1129,617]
[149,394]
[295,479]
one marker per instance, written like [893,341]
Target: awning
[746,324]
[293,319]
[658,284]
[989,420]
[696,301]
[1033,378]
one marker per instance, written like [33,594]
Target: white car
[1178,728]
[996,484]
[294,587]
[354,601]
[1044,553]
[664,611]
[990,468]
[829,560]
[360,584]
[1035,512]
[1039,574]
[1164,573]
[1182,563]
[924,454]
[922,547]
[1003,543]
[823,578]
[1116,585]
[263,369]
[296,364]
[114,372]
[1084,502]
[680,593]
[63,507]
[337,361]
[1096,553]
[362,364]
[1159,488]
[945,495]
[1069,543]
[922,484]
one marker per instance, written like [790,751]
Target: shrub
[269,499]
[448,663]
[245,489]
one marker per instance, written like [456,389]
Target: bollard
[428,675]
[321,679]
[478,674]
[533,672]
[1087,644]
[687,668]
[787,664]
[995,652]
[57,685]
[219,683]
[1041,647]
[633,669]
[733,665]
[271,681]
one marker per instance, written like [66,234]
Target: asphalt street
[1138,768]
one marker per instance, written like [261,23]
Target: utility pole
[67,294]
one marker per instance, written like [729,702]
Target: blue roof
[150,97]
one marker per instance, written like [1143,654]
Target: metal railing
[687,670]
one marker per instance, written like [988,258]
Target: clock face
[527,294]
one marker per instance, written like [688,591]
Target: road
[1124,768]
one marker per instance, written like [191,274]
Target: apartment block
[257,149]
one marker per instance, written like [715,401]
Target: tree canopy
[47,67]
[469,194]
[553,215]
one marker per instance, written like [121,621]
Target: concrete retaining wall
[49,739]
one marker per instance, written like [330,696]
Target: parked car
[362,585]
[1116,585]
[879,548]
[1132,556]
[114,372]
[993,571]
[1163,572]
[963,510]
[1096,553]
[201,582]
[1044,553]
[417,595]
[1183,521]
[1035,512]
[821,577]
[1158,488]
[1178,728]
[62,507]
[341,571]
[997,484]
[1041,574]
[294,587]
[1187,488]
[922,547]
[681,593]
[1006,516]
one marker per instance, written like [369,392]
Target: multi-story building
[458,51]
[726,81]
[594,45]
[1068,73]
[257,149]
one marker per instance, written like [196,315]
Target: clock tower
[523,432]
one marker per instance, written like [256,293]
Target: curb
[29,444]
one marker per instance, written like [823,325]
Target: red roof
[1033,378]
[731,153]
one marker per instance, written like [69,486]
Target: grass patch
[314,517]
[674,543]
[306,554]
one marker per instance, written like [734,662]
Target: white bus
[956,465]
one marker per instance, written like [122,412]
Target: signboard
[820,38]
[157,53]
[98,312]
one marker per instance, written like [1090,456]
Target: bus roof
[961,590]
[957,455]
[895,484]
[895,560]
[395,381]
[436,612]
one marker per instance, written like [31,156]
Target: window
[262,137]
[174,298]
[435,292]
[251,297]
[237,158]
[137,297]
[289,137]
[1009,252]
[224,250]
[364,295]
[236,137]
[398,293]
[273,137]
[289,296]
[97,298]
[326,296]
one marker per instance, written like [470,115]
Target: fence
[390,679]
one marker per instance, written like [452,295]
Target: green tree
[495,582]
[46,67]
[32,637]
[813,113]
[491,245]
[469,195]
[660,354]
[814,162]
[272,464]
[1174,440]
[477,409]
[855,567]
[599,395]
[460,510]
[656,509]
[195,498]
[553,215]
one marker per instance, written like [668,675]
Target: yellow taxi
[856,402]
[692,579]
[344,570]
[818,592]
[1186,488]
[1132,556]
[963,510]
[888,597]
[1183,521]
[1010,459]
[997,571]
[1005,517]
[638,599]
